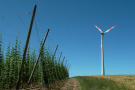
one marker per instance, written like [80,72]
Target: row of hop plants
[48,70]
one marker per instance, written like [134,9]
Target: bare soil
[71,84]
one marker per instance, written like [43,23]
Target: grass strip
[93,83]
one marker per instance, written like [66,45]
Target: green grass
[94,83]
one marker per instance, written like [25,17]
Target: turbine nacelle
[102,33]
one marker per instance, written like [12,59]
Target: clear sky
[71,24]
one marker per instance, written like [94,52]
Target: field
[112,82]
[52,73]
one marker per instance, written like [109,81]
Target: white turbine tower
[102,52]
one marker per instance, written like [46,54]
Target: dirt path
[71,84]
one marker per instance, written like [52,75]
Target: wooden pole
[52,63]
[59,64]
[68,70]
[69,67]
[65,63]
[60,57]
[63,59]
[25,49]
[62,65]
[55,52]
[38,57]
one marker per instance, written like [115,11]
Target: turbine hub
[102,33]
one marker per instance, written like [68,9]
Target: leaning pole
[25,49]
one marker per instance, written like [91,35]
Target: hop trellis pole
[21,77]
[38,56]
[25,49]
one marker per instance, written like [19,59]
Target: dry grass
[127,80]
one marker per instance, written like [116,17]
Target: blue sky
[71,24]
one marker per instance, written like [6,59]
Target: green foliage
[2,68]
[7,67]
[47,72]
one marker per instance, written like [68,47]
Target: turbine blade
[109,29]
[98,28]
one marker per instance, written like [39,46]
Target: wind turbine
[102,52]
